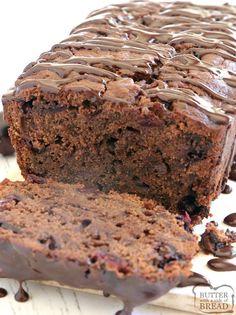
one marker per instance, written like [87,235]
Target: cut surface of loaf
[140,98]
[83,238]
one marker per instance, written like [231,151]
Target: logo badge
[215,300]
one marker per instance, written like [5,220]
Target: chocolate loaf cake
[140,98]
[87,239]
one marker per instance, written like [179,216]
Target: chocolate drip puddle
[220,264]
[21,295]
[230,219]
[106,294]
[227,190]
[3,292]
[194,279]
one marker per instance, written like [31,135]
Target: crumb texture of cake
[84,238]
[140,98]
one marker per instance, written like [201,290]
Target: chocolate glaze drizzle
[230,219]
[21,295]
[148,43]
[3,292]
[194,279]
[220,264]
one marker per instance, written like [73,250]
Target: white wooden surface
[47,299]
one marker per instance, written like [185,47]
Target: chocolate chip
[87,273]
[119,224]
[146,232]
[27,106]
[91,198]
[168,105]
[189,204]
[50,241]
[123,269]
[152,221]
[132,129]
[42,241]
[102,33]
[111,144]
[148,213]
[117,238]
[93,260]
[86,103]
[85,223]
[166,254]
[58,139]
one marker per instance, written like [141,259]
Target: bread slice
[133,249]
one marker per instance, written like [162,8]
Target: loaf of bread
[140,98]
